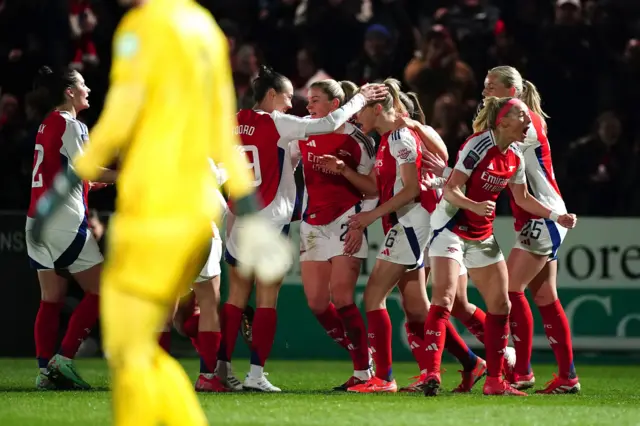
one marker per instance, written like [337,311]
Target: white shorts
[212,267]
[541,236]
[468,253]
[72,251]
[427,263]
[405,246]
[230,253]
[323,242]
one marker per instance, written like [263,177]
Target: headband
[506,108]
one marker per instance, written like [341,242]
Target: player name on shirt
[244,130]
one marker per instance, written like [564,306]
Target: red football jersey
[489,171]
[396,148]
[60,138]
[327,195]
[265,141]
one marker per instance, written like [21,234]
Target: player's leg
[383,278]
[150,265]
[471,316]
[164,339]
[416,306]
[556,327]
[231,312]
[488,270]
[315,281]
[209,334]
[263,334]
[344,276]
[83,260]
[53,289]
[523,266]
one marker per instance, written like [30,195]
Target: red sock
[46,331]
[521,322]
[415,336]
[208,346]
[83,318]
[475,324]
[263,335]
[556,327]
[435,334]
[496,340]
[357,335]
[165,341]
[190,326]
[380,341]
[330,321]
[230,320]
[459,349]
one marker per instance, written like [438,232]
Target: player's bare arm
[453,194]
[528,202]
[410,190]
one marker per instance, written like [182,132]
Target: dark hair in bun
[267,79]
[50,86]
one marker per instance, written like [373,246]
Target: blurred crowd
[583,55]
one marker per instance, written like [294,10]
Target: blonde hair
[526,91]
[486,118]
[412,105]
[342,91]
[392,101]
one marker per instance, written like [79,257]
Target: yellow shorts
[156,259]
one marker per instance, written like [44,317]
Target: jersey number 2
[36,178]
[254,162]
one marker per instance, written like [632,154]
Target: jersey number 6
[36,178]
[253,158]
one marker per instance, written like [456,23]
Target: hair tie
[506,108]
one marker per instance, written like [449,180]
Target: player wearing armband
[160,235]
[330,253]
[462,233]
[67,244]
[266,134]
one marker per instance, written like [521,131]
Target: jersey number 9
[253,158]
[36,178]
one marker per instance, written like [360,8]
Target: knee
[342,296]
[462,309]
[415,310]
[445,300]
[318,304]
[499,306]
[544,298]
[53,294]
[374,299]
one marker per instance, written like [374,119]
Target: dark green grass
[609,397]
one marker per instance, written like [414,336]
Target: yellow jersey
[170,107]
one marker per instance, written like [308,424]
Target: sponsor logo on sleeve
[470,160]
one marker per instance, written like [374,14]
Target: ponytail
[488,114]
[417,114]
[531,97]
[267,79]
[392,101]
[350,89]
[49,87]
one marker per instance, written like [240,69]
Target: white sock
[362,374]
[256,371]
[207,375]
[43,370]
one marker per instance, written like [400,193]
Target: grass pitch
[609,397]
